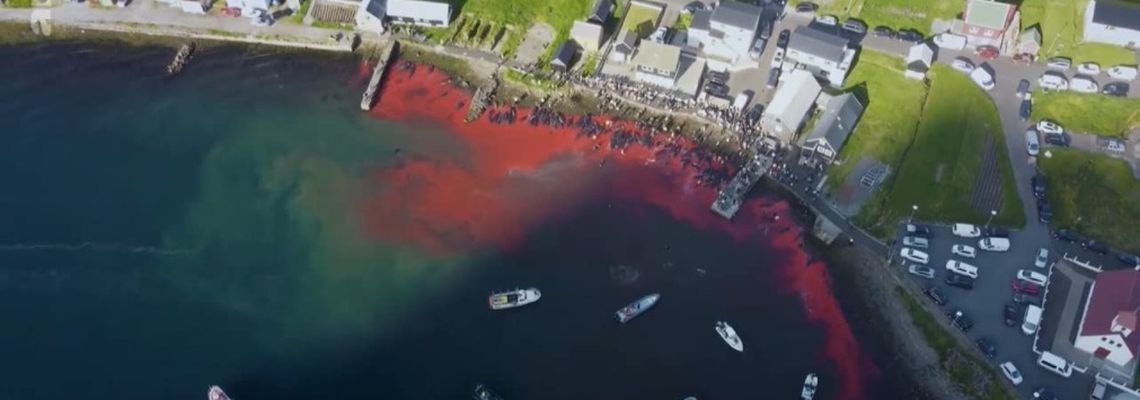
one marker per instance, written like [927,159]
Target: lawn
[1091,113]
[898,14]
[560,14]
[1094,194]
[642,19]
[966,371]
[1062,27]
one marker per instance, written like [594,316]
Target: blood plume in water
[503,179]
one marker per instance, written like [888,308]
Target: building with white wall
[725,34]
[372,14]
[789,107]
[1113,22]
[825,55]
[1112,310]
[657,64]
[989,23]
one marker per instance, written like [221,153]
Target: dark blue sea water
[160,235]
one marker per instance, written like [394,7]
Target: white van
[950,41]
[994,244]
[1055,363]
[1083,85]
[1032,320]
[1053,81]
[982,77]
[962,268]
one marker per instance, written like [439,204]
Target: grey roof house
[563,57]
[601,12]
[832,128]
[825,55]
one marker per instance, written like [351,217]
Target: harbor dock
[729,199]
[480,99]
[385,58]
[180,58]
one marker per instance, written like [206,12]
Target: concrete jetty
[730,198]
[385,58]
[479,100]
[180,58]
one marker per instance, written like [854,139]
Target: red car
[986,52]
[1020,286]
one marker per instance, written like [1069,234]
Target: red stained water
[502,180]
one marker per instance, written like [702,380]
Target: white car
[778,58]
[1049,127]
[962,268]
[1032,145]
[1083,84]
[827,20]
[1053,81]
[947,40]
[1042,258]
[982,78]
[1089,68]
[914,255]
[1123,72]
[964,251]
[1011,373]
[966,231]
[1059,63]
[915,241]
[1033,277]
[994,244]
[963,64]
[921,270]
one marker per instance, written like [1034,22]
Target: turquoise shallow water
[162,235]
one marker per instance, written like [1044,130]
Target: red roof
[1114,293]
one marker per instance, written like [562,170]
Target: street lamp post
[913,209]
[992,215]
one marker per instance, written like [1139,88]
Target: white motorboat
[810,384]
[729,335]
[513,298]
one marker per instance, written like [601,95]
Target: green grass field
[1094,194]
[898,14]
[888,122]
[520,14]
[1062,27]
[1091,113]
[641,19]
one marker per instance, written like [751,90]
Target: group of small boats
[521,297]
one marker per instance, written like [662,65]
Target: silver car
[915,241]
[921,270]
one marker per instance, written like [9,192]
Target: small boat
[636,308]
[514,298]
[216,393]
[729,335]
[483,393]
[810,383]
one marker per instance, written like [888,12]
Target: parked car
[1053,81]
[910,35]
[1114,145]
[1048,127]
[1066,235]
[1044,212]
[1058,139]
[1023,89]
[716,89]
[884,32]
[1042,258]
[921,270]
[1059,63]
[855,26]
[806,7]
[720,77]
[1011,314]
[1043,393]
[983,78]
[1010,371]
[1032,145]
[996,244]
[1025,299]
[959,319]
[986,52]
[773,78]
[828,20]
[963,64]
[962,268]
[1128,259]
[1020,286]
[987,347]
[964,251]
[1088,68]
[778,58]
[1117,89]
[914,255]
[918,230]
[1037,183]
[782,40]
[1032,276]
[959,281]
[1083,84]
[915,241]
[694,7]
[947,40]
[965,230]
[1025,111]
[1095,246]
[996,231]
[935,295]
[1123,72]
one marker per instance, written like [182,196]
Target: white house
[724,35]
[657,64]
[1113,22]
[989,23]
[1108,326]
[832,128]
[587,35]
[825,55]
[918,61]
[373,13]
[793,100]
